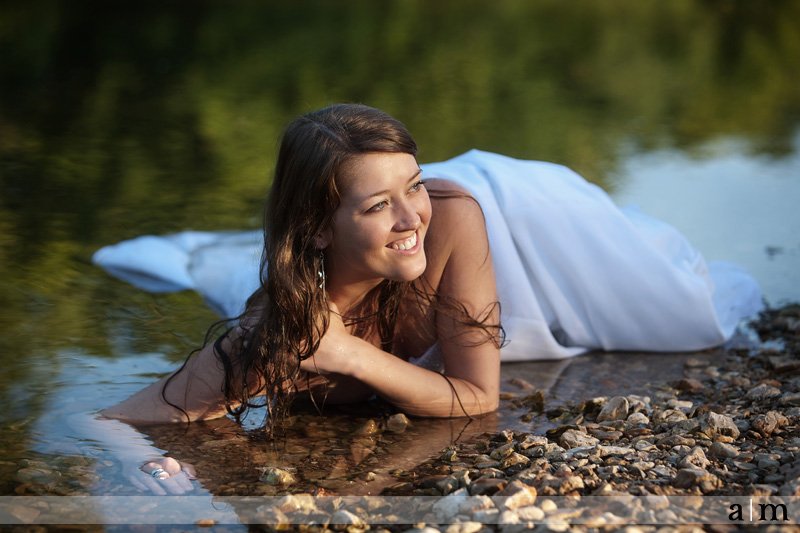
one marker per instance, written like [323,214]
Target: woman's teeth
[406,244]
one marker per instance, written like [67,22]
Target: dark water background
[118,119]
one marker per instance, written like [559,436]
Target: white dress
[574,271]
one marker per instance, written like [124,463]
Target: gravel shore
[724,430]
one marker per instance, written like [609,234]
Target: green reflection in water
[121,119]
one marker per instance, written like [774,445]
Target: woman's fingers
[165,476]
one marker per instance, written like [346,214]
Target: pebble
[762,392]
[637,418]
[615,409]
[717,424]
[397,423]
[573,438]
[767,423]
[723,450]
[696,458]
[277,476]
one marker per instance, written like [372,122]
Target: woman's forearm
[415,390]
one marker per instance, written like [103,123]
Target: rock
[464,527]
[277,476]
[370,427]
[605,451]
[534,401]
[532,440]
[696,458]
[723,451]
[501,452]
[487,486]
[573,438]
[766,424]
[397,423]
[513,460]
[713,424]
[293,503]
[38,475]
[690,385]
[484,461]
[449,455]
[548,506]
[570,484]
[671,416]
[346,518]
[691,477]
[446,485]
[762,392]
[205,522]
[637,418]
[791,399]
[530,513]
[615,409]
[517,494]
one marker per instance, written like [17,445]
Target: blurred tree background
[121,118]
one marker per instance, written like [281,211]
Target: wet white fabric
[574,272]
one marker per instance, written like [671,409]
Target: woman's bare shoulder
[456,213]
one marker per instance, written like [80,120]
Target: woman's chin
[412,273]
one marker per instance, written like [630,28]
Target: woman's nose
[407,217]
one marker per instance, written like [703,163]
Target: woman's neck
[349,298]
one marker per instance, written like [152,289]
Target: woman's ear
[323,239]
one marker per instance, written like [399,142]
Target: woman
[370,267]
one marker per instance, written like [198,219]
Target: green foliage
[118,119]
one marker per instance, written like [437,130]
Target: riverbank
[723,429]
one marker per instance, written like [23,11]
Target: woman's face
[379,228]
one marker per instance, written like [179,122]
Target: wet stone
[573,438]
[766,424]
[637,418]
[503,451]
[690,385]
[763,392]
[370,427]
[532,440]
[696,458]
[716,424]
[487,486]
[691,477]
[615,409]
[277,476]
[513,460]
[723,450]
[397,423]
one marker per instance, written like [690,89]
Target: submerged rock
[397,423]
[277,476]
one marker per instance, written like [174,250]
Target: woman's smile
[407,246]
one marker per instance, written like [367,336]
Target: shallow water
[117,121]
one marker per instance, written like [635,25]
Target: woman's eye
[378,207]
[417,186]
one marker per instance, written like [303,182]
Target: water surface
[119,120]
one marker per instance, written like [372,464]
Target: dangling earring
[321,271]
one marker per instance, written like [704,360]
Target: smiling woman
[374,281]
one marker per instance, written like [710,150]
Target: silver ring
[159,473]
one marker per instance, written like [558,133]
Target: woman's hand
[162,476]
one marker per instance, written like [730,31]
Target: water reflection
[118,120]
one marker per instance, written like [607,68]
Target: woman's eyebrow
[379,193]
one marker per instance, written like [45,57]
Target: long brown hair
[286,318]
[289,312]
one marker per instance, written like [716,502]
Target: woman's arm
[197,389]
[470,384]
